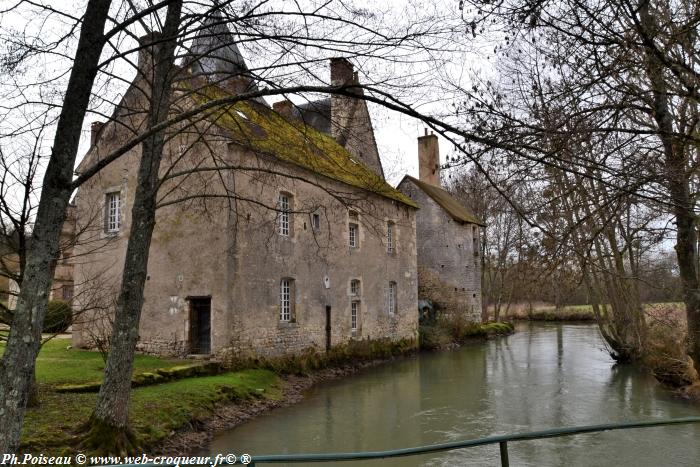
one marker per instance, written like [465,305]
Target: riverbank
[179,416]
[302,372]
[192,437]
[582,313]
[546,375]
[665,351]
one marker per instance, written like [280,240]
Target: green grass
[59,364]
[155,411]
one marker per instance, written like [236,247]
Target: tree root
[103,438]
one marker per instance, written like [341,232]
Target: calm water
[544,376]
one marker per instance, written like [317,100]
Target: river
[543,376]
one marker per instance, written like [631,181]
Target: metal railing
[501,440]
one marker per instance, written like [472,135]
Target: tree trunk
[17,366]
[677,180]
[108,427]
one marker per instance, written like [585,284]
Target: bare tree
[621,75]
[18,361]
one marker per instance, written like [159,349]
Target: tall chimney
[95,128]
[285,108]
[429,159]
[342,72]
[147,47]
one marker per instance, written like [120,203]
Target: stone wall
[228,249]
[449,266]
[320,261]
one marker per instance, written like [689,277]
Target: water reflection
[543,376]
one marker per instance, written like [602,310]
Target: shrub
[58,317]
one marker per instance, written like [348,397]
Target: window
[353,230]
[283,215]
[391,298]
[316,221]
[352,233]
[355,287]
[67,292]
[112,208]
[475,240]
[287,300]
[354,307]
[390,238]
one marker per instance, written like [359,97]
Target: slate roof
[215,55]
[446,201]
[264,131]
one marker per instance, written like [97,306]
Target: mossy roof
[261,129]
[446,201]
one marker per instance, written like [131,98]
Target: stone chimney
[429,159]
[239,84]
[285,108]
[95,131]
[342,72]
[147,45]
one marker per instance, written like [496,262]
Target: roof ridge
[446,201]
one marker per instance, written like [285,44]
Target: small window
[352,235]
[67,292]
[475,240]
[354,310]
[390,238]
[283,204]
[287,300]
[391,298]
[112,212]
[355,288]
[316,221]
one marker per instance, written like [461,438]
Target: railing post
[504,454]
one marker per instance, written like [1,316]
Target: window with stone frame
[475,240]
[354,315]
[284,218]
[390,240]
[67,292]
[355,287]
[353,230]
[112,212]
[286,300]
[352,235]
[391,298]
[316,221]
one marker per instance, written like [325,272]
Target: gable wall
[449,272]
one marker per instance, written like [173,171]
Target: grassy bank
[155,411]
[544,312]
[159,410]
[551,313]
[448,333]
